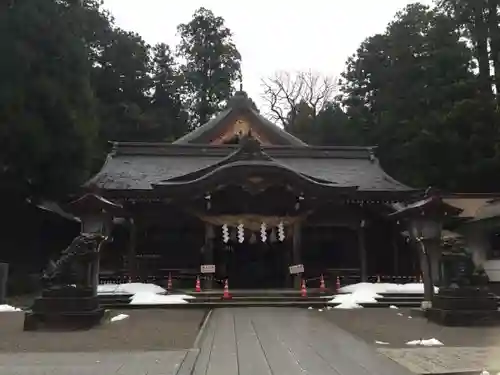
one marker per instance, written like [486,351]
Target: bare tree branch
[283,93]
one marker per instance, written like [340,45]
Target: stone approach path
[133,363]
[285,341]
[437,360]
[261,341]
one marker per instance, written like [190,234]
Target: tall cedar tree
[122,82]
[166,105]
[211,64]
[47,122]
[412,91]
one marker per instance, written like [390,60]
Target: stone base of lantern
[66,308]
[466,306]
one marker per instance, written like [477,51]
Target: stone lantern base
[464,306]
[66,308]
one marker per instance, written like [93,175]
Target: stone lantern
[424,222]
[425,231]
[69,296]
[96,215]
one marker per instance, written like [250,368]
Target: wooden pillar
[395,249]
[208,254]
[296,253]
[287,282]
[362,251]
[132,250]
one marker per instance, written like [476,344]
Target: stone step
[223,303]
[386,304]
[261,298]
[405,296]
[115,299]
[396,300]
[256,292]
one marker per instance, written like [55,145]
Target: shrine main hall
[251,203]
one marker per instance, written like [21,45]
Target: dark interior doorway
[259,265]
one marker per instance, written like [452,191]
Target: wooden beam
[296,249]
[132,250]
[362,250]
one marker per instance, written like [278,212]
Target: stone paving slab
[119,363]
[398,326]
[433,360]
[148,330]
[285,341]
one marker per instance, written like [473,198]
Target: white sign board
[297,268]
[208,268]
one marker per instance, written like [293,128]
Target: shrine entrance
[252,264]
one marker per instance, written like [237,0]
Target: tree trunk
[494,34]
[479,31]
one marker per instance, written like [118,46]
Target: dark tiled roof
[138,166]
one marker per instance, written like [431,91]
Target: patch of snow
[360,295]
[144,294]
[428,342]
[348,305]
[484,372]
[310,308]
[8,308]
[393,307]
[149,298]
[400,314]
[381,342]
[385,288]
[119,317]
[320,310]
[129,288]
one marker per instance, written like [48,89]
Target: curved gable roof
[239,104]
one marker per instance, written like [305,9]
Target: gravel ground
[388,326]
[144,330]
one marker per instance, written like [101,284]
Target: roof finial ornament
[241,85]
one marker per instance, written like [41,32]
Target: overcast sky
[271,35]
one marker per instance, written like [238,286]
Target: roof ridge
[223,151]
[119,144]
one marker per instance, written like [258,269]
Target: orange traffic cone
[322,286]
[303,290]
[169,282]
[337,284]
[197,288]
[226,294]
[378,278]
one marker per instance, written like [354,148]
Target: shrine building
[253,204]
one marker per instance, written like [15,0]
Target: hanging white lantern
[241,233]
[263,233]
[225,233]
[281,231]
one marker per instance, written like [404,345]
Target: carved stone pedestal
[464,306]
[66,308]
